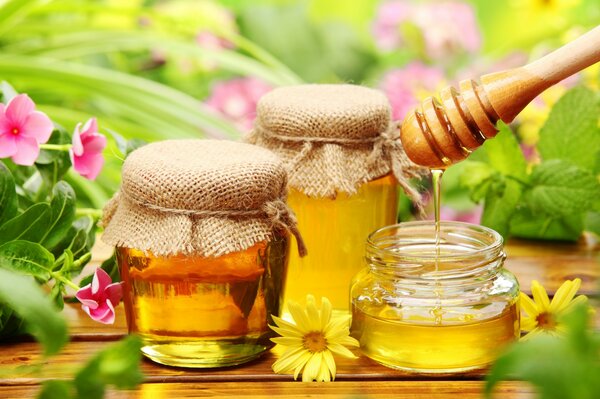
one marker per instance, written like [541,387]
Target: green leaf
[501,202]
[43,321]
[560,368]
[28,258]
[561,188]
[7,92]
[52,164]
[8,194]
[62,209]
[117,364]
[477,177]
[541,226]
[504,154]
[31,225]
[56,389]
[571,131]
[59,136]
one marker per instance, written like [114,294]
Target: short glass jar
[194,311]
[434,309]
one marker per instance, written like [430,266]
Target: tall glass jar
[201,231]
[345,164]
[434,308]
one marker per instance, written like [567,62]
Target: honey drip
[436,177]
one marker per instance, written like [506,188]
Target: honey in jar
[201,233]
[345,165]
[433,308]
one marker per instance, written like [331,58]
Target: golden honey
[334,231]
[434,304]
[204,312]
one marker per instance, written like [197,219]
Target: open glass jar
[201,229]
[434,309]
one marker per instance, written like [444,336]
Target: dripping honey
[334,230]
[203,312]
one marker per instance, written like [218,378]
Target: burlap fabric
[198,197]
[332,138]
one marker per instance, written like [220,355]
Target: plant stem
[64,280]
[93,212]
[56,147]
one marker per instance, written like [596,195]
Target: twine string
[279,215]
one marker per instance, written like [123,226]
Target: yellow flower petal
[528,305]
[299,316]
[540,296]
[569,307]
[287,341]
[312,313]
[286,332]
[324,374]
[341,350]
[312,367]
[337,327]
[325,313]
[287,325]
[346,341]
[531,334]
[528,324]
[328,357]
[564,295]
[301,363]
[288,361]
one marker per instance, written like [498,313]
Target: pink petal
[100,281]
[90,303]
[88,165]
[19,108]
[104,314]
[90,127]
[28,150]
[94,143]
[114,293]
[8,147]
[77,145]
[38,126]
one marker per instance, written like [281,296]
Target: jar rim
[486,242]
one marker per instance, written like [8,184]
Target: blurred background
[153,70]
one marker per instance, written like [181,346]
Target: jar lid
[205,197]
[332,137]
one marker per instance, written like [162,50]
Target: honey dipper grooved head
[438,134]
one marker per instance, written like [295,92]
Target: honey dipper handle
[510,91]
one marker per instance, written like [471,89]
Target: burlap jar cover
[198,197]
[332,138]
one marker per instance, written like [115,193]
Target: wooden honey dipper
[438,134]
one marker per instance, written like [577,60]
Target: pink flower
[22,130]
[86,153]
[236,99]
[448,27]
[99,298]
[472,216]
[407,87]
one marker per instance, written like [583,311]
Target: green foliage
[25,297]
[560,368]
[554,198]
[116,365]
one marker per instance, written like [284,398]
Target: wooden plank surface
[22,368]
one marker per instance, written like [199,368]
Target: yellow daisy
[310,341]
[544,316]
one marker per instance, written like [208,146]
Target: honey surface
[463,340]
[335,231]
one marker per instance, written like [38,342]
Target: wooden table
[549,263]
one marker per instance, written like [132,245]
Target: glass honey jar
[201,231]
[433,308]
[345,165]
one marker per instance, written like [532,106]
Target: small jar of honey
[434,307]
[345,164]
[201,234]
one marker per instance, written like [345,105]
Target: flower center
[546,321]
[315,342]
[15,131]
